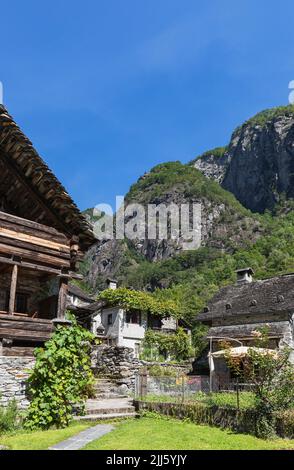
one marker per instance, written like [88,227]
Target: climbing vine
[138,300]
[176,347]
[61,379]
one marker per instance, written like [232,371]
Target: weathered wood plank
[13,289]
[19,318]
[24,335]
[43,327]
[33,240]
[62,298]
[19,221]
[18,351]
[34,256]
[38,248]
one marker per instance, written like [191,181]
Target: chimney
[111,284]
[244,275]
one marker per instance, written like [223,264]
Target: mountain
[235,185]
[258,164]
[225,223]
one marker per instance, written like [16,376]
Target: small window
[21,303]
[109,319]
[133,317]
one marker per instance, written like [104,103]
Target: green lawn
[151,433]
[161,434]
[41,440]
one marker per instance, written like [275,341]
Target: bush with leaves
[176,346]
[9,417]
[62,378]
[272,377]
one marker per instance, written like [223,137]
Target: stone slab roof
[25,159]
[265,297]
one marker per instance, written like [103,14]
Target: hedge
[243,421]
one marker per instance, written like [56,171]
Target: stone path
[83,438]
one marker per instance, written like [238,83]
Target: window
[109,319]
[133,317]
[21,302]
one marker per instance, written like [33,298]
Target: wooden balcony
[20,327]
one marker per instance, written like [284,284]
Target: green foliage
[217,152]
[260,119]
[272,377]
[185,179]
[160,371]
[175,346]
[61,379]
[9,417]
[138,300]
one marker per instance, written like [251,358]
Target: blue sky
[107,89]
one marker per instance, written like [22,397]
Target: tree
[272,377]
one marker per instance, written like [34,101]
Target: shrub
[271,375]
[160,371]
[173,346]
[9,417]
[61,379]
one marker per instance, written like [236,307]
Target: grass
[160,433]
[41,440]
[224,399]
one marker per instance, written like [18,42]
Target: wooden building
[238,310]
[43,235]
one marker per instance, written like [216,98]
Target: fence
[180,388]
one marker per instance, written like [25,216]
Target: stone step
[106,411]
[105,395]
[102,416]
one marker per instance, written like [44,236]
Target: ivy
[174,346]
[61,379]
[138,300]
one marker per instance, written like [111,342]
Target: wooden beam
[13,289]
[62,298]
[39,267]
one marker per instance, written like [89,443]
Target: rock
[258,165]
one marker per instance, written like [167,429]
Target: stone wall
[13,375]
[117,363]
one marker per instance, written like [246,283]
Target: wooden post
[63,286]
[13,289]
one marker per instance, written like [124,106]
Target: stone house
[238,310]
[119,327]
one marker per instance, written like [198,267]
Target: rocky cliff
[258,164]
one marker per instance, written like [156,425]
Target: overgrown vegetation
[138,300]
[192,278]
[160,346]
[272,377]
[217,152]
[187,180]
[10,418]
[61,379]
[260,119]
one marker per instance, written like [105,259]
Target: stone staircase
[110,402]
